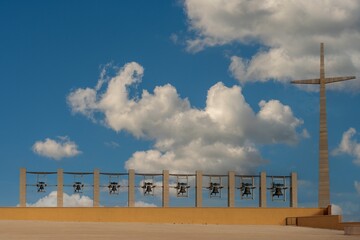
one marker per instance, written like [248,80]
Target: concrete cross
[324,186]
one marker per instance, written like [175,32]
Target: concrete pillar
[131,188]
[231,189]
[60,188]
[165,195]
[324,185]
[293,190]
[262,190]
[22,187]
[96,201]
[198,200]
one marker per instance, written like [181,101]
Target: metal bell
[41,186]
[247,191]
[278,192]
[182,190]
[148,189]
[148,186]
[77,187]
[215,190]
[113,187]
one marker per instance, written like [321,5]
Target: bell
[215,190]
[148,186]
[182,190]
[113,189]
[41,186]
[247,191]
[148,189]
[77,187]
[113,186]
[278,192]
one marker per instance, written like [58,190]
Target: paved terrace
[31,230]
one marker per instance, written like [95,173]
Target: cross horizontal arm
[338,79]
[307,81]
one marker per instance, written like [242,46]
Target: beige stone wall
[263,216]
[327,222]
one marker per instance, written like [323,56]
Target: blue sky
[182,85]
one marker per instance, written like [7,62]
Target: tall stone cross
[324,185]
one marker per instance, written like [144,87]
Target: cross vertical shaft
[324,180]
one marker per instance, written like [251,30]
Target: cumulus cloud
[144,204]
[74,200]
[289,33]
[349,146]
[62,148]
[336,210]
[223,136]
[349,209]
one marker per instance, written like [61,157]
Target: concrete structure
[198,195]
[165,195]
[182,215]
[60,188]
[329,222]
[96,189]
[293,190]
[199,187]
[310,217]
[262,198]
[324,185]
[22,187]
[352,229]
[231,189]
[35,230]
[131,188]
[303,217]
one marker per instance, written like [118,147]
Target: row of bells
[214,188]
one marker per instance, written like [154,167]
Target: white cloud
[305,133]
[350,210]
[349,146]
[357,186]
[74,200]
[144,204]
[63,148]
[223,136]
[112,144]
[336,210]
[304,184]
[289,31]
